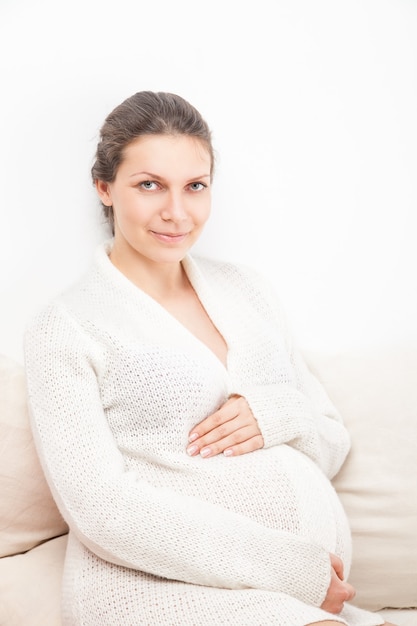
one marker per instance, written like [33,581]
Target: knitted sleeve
[299,413]
[127,521]
[301,416]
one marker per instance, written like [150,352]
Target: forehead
[156,153]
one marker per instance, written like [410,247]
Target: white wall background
[313,106]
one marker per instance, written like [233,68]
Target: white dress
[158,538]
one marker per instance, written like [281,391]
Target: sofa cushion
[30,585]
[376,394]
[28,514]
[400,617]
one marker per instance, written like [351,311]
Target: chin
[171,256]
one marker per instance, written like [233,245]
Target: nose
[174,208]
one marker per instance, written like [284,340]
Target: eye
[148,185]
[197,186]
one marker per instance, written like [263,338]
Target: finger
[338,593]
[226,429]
[216,419]
[350,592]
[228,434]
[228,418]
[333,607]
[336,608]
[237,437]
[337,565]
[347,594]
[250,445]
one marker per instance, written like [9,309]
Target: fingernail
[205,452]
[192,437]
[228,452]
[192,450]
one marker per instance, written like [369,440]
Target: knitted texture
[157,537]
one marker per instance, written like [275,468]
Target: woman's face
[161,197]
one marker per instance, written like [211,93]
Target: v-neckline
[204,294]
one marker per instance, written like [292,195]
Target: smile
[169,237]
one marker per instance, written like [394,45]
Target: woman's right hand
[339,591]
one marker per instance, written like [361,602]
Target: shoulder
[85,294]
[61,315]
[50,327]
[228,271]
[240,278]
[246,288]
[59,311]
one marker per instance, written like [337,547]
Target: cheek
[206,215]
[203,212]
[132,210]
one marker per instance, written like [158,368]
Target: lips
[169,237]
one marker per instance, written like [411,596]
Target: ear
[103,190]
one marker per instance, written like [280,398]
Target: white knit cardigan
[157,537]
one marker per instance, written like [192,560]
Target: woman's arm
[124,519]
[233,429]
[298,413]
[302,416]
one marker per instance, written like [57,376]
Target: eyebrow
[150,175]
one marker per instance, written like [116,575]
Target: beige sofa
[377,396]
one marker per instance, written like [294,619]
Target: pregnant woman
[186,443]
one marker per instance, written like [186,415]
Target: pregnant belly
[278,487]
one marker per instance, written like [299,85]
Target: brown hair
[144,113]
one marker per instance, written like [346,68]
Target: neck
[159,280]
